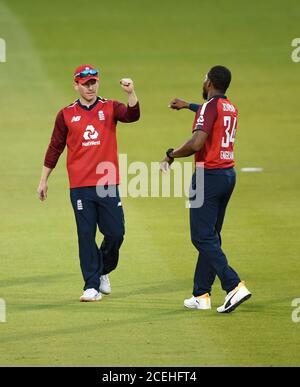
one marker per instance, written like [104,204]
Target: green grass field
[166,47]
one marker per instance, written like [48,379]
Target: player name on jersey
[226,155]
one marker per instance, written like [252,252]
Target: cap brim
[84,80]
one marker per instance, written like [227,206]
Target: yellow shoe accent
[206,298]
[240,285]
[206,295]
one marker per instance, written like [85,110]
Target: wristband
[168,153]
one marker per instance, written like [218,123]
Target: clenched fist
[127,85]
[178,104]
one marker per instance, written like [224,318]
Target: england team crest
[101,115]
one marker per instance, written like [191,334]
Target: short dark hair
[220,76]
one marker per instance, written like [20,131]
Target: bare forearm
[45,173]
[185,150]
[193,145]
[132,99]
[43,185]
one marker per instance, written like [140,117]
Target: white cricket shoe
[105,287]
[200,302]
[90,295]
[235,298]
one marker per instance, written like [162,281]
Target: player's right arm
[178,104]
[55,149]
[43,185]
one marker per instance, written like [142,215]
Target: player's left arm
[131,112]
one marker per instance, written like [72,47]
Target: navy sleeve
[194,107]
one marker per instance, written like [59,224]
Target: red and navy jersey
[218,118]
[90,136]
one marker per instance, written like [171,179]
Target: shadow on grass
[161,298]
[37,279]
[148,288]
[136,299]
[108,324]
[105,323]
[165,303]
[113,313]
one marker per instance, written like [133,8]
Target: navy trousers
[206,224]
[106,213]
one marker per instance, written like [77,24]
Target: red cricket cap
[84,79]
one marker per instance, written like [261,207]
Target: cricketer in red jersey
[215,117]
[88,128]
[214,130]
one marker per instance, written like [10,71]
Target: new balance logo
[101,115]
[76,118]
[79,205]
